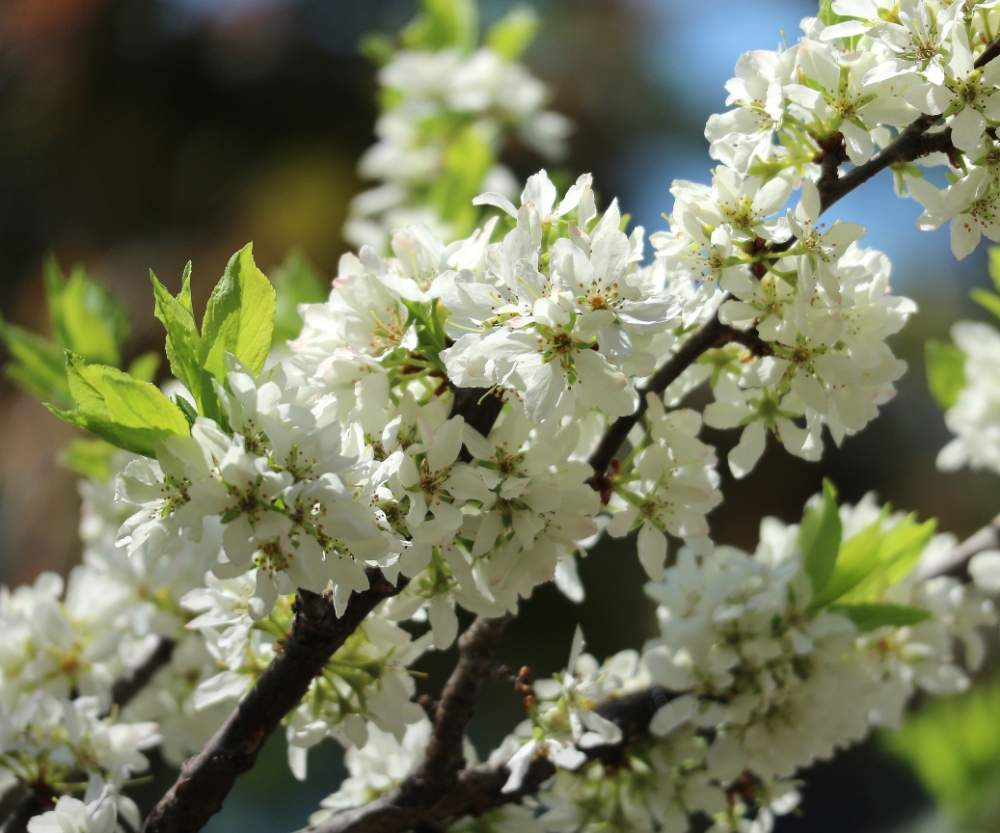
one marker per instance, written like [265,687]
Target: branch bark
[477,790]
[206,779]
[912,143]
[129,684]
[712,334]
[477,649]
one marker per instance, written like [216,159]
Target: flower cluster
[441,426]
[275,497]
[973,418]
[447,112]
[758,675]
[364,684]
[865,70]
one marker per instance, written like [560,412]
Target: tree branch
[477,649]
[911,144]
[477,790]
[129,684]
[206,779]
[712,334]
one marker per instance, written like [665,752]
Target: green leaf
[819,538]
[377,48]
[443,24]
[827,15]
[190,414]
[89,458]
[86,317]
[954,746]
[875,559]
[988,300]
[869,616]
[144,367]
[898,552]
[94,322]
[183,345]
[994,253]
[467,159]
[239,318]
[296,282]
[118,408]
[36,364]
[512,34]
[945,371]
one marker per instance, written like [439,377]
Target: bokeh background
[138,134]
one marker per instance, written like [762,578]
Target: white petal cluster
[274,496]
[365,684]
[563,721]
[860,81]
[98,812]
[437,103]
[673,487]
[358,451]
[819,308]
[755,683]
[561,312]
[781,681]
[974,419]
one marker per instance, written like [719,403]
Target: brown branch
[475,791]
[712,334]
[206,779]
[477,649]
[478,790]
[129,684]
[991,52]
[912,143]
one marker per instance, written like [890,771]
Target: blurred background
[138,134]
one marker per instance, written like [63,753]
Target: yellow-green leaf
[869,616]
[124,411]
[945,372]
[239,318]
[513,33]
[819,538]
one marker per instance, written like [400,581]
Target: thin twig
[129,684]
[956,563]
[712,334]
[478,790]
[473,791]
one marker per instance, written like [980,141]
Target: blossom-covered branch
[205,780]
[642,717]
[477,790]
[446,433]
